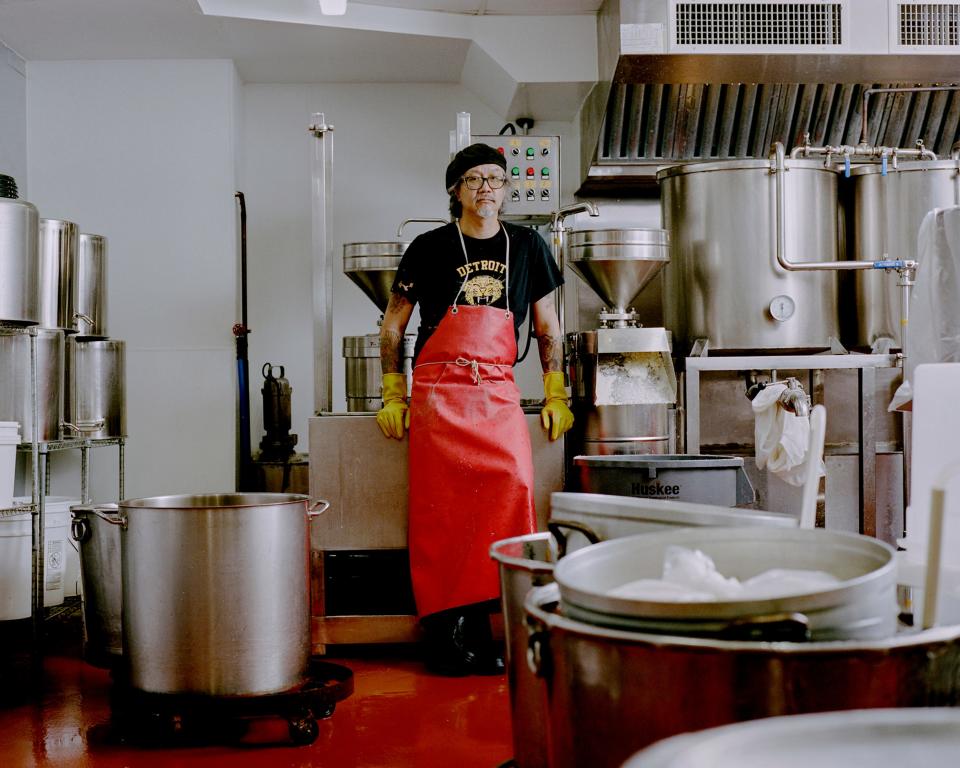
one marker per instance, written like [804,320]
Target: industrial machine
[621,374]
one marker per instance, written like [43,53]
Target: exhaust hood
[717,80]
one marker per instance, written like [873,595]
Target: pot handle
[555,526]
[84,426]
[80,528]
[82,318]
[313,512]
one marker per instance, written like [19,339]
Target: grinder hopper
[373,266]
[617,263]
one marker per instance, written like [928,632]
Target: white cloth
[933,334]
[782,438]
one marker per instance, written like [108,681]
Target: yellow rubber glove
[556,416]
[395,414]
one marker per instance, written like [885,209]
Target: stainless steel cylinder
[99,542]
[600,430]
[91,286]
[58,265]
[887,211]
[216,596]
[723,282]
[361,358]
[95,403]
[16,389]
[19,268]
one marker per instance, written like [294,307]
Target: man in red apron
[471,472]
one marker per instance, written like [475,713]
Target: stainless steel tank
[58,265]
[887,211]
[95,400]
[19,269]
[723,282]
[361,359]
[91,286]
[16,396]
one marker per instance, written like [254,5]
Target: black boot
[488,656]
[446,649]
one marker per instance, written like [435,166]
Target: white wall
[144,153]
[390,150]
[13,118]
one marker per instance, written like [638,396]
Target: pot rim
[209,501]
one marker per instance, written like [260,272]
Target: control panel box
[533,169]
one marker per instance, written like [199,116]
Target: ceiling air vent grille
[926,24]
[757,24]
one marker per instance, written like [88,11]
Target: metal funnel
[373,266]
[617,263]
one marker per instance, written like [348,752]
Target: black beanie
[471,157]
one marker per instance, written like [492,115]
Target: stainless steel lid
[581,238]
[382,249]
[709,166]
[660,461]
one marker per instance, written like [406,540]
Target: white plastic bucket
[57,547]
[15,549]
[9,440]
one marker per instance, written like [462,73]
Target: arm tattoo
[551,353]
[391,341]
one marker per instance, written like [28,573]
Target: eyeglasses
[475,182]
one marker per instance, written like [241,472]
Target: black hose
[8,187]
[240,332]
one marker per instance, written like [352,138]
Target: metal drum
[612,692]
[16,395]
[19,268]
[102,585]
[888,210]
[361,358]
[723,282]
[58,254]
[91,286]
[95,402]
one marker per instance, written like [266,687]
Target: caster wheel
[326,711]
[304,730]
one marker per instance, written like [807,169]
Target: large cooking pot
[92,526]
[19,268]
[880,738]
[16,393]
[862,605]
[612,692]
[95,403]
[58,255]
[528,561]
[723,282]
[91,286]
[216,592]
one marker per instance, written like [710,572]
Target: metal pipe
[321,173]
[410,221]
[779,169]
[917,89]
[557,241]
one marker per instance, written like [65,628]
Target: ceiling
[266,50]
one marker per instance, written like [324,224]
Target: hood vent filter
[757,24]
[928,24]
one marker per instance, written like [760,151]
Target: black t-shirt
[433,269]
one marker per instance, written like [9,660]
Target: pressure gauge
[782,308]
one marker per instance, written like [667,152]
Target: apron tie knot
[474,368]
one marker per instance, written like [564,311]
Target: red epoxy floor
[398,716]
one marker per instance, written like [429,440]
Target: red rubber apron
[471,469]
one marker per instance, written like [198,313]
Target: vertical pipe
[240,332]
[321,167]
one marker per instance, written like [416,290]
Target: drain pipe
[557,241]
[240,332]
